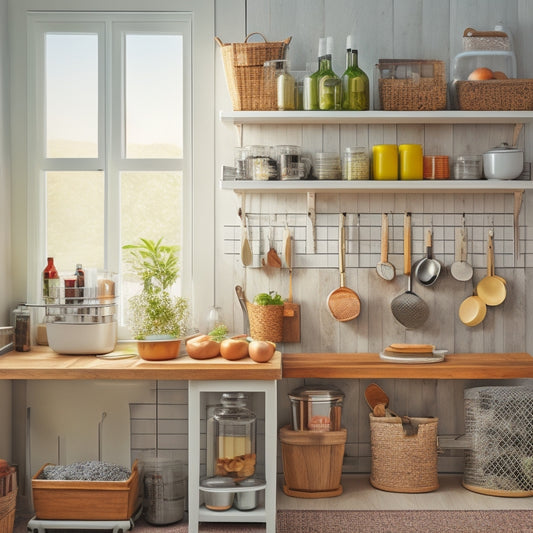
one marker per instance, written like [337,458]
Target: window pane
[150,207]
[71,95]
[153,93]
[75,219]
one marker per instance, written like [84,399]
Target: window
[111,135]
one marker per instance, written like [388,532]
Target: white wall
[5,223]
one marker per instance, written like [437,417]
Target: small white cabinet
[265,513]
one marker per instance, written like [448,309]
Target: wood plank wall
[430,29]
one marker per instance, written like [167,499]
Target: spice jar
[411,162]
[385,162]
[355,164]
[234,432]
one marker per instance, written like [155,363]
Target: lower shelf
[359,495]
[232,515]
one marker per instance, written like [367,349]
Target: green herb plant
[155,311]
[219,333]
[268,298]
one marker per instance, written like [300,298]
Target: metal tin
[316,408]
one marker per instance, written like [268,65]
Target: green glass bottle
[355,85]
[310,90]
[329,84]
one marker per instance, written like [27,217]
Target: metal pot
[503,162]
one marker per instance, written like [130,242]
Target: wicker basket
[7,511]
[415,93]
[244,70]
[485,40]
[495,95]
[266,322]
[402,463]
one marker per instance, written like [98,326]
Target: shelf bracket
[518,198]
[311,222]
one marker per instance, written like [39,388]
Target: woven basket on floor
[7,511]
[266,322]
[402,463]
[244,70]
[495,95]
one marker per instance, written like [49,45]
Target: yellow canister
[385,162]
[411,162]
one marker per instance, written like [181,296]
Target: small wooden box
[85,500]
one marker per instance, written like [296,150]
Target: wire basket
[244,70]
[266,322]
[499,422]
[402,463]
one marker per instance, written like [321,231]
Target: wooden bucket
[312,462]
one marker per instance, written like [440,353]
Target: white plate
[437,357]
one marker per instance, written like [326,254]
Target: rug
[519,521]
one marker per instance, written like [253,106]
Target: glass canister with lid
[261,165]
[234,437]
[355,164]
[468,167]
[316,408]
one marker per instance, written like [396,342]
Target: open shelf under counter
[376,117]
[377,186]
[370,366]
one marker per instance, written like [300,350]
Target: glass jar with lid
[468,167]
[355,164]
[234,434]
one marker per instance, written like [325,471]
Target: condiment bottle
[329,84]
[385,162]
[310,97]
[355,85]
[50,282]
[80,282]
[22,329]
[234,433]
[411,162]
[285,86]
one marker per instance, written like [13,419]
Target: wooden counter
[369,365]
[43,363]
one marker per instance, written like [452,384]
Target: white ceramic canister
[503,162]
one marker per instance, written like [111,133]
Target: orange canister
[411,162]
[385,162]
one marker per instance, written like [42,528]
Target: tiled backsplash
[363,235]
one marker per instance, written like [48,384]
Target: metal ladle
[428,269]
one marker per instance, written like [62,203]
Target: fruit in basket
[481,73]
[499,75]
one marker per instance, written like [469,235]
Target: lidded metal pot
[234,438]
[316,408]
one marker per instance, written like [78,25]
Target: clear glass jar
[468,167]
[355,164]
[291,166]
[261,165]
[234,434]
[277,75]
[240,161]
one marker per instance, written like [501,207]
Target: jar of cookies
[234,435]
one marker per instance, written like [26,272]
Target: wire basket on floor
[403,463]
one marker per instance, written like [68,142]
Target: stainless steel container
[247,500]
[316,408]
[218,493]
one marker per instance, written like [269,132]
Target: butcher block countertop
[43,363]
[370,366]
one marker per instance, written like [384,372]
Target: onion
[202,347]
[234,348]
[261,351]
[481,73]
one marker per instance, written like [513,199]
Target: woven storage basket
[420,94]
[266,322]
[244,70]
[485,40]
[402,463]
[7,511]
[495,95]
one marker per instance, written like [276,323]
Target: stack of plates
[327,166]
[412,353]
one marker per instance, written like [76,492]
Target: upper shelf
[375,186]
[376,117]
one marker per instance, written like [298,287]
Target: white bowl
[82,339]
[503,163]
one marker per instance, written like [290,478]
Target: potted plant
[266,317]
[158,318]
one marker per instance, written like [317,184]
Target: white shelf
[374,186]
[376,117]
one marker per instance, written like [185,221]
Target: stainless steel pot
[503,162]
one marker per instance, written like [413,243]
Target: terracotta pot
[159,349]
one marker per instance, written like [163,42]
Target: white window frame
[198,192]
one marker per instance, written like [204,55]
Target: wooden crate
[85,500]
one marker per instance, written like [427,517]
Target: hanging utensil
[343,303]
[246,249]
[461,270]
[273,259]
[291,311]
[472,310]
[427,270]
[385,269]
[408,308]
[242,301]
[491,289]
